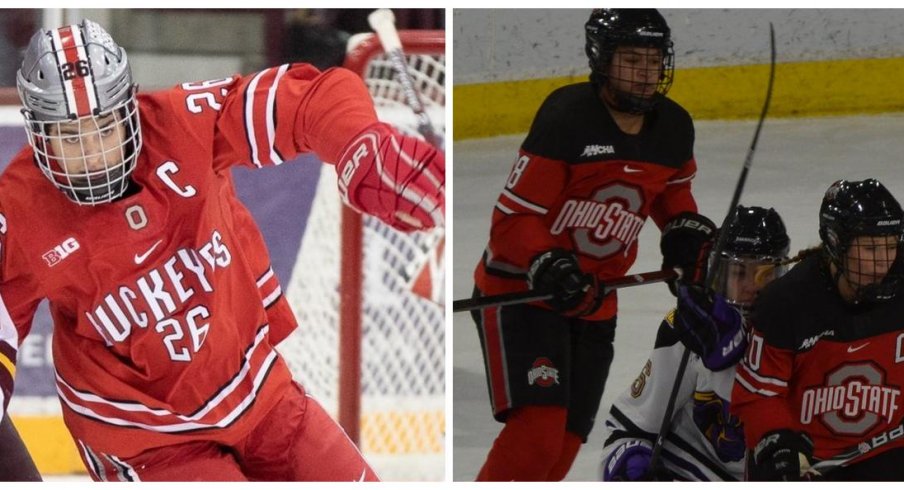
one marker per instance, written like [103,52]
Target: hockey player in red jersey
[821,381]
[600,158]
[705,442]
[122,214]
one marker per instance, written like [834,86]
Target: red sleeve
[759,395]
[519,231]
[677,197]
[271,116]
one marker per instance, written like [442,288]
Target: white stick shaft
[382,21]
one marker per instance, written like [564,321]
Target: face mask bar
[89,159]
[872,269]
[633,83]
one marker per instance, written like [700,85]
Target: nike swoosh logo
[140,258]
[851,348]
[629,170]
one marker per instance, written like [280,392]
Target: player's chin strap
[844,458]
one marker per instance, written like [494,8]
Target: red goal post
[363,51]
[382,370]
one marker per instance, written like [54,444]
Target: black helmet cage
[852,209]
[607,29]
[757,238]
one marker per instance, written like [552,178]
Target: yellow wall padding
[813,88]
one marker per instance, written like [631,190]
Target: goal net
[371,339]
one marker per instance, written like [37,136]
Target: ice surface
[796,161]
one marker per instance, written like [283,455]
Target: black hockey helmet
[755,246]
[607,29]
[757,232]
[861,208]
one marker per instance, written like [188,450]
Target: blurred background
[165,45]
[395,353]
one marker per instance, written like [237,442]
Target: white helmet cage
[80,111]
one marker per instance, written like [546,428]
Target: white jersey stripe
[249,117]
[272,296]
[271,116]
[138,407]
[681,180]
[171,428]
[522,202]
[504,209]
[740,379]
[266,277]
[128,471]
[763,379]
[94,465]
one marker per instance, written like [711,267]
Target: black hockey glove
[781,455]
[557,272]
[685,244]
[709,327]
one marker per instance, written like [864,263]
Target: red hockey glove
[399,179]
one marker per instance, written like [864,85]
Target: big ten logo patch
[543,373]
[60,252]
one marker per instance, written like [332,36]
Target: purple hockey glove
[709,327]
[630,462]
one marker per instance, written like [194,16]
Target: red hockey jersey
[817,365]
[165,308]
[582,184]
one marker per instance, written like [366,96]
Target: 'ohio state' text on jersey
[582,184]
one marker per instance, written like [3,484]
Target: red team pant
[296,441]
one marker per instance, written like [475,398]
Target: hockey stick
[528,296]
[823,466]
[382,21]
[656,458]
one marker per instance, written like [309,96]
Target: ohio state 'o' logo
[543,373]
[606,223]
[853,400]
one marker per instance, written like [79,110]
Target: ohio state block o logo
[543,373]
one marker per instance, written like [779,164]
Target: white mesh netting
[403,335]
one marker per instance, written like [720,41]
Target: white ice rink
[796,161]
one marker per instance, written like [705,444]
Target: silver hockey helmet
[80,111]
